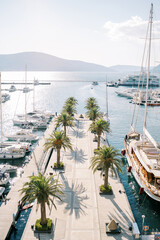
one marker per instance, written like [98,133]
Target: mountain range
[36,61]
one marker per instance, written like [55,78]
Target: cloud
[132,29]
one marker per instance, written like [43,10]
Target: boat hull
[2,189]
[138,179]
[10,156]
[22,138]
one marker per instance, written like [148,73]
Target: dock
[28,83]
[83,212]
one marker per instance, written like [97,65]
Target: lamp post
[143,217]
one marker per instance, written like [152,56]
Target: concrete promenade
[83,212]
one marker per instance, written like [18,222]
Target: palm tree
[65,120]
[106,158]
[58,140]
[70,109]
[99,126]
[91,103]
[93,114]
[43,189]
[72,101]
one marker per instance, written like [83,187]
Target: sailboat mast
[25,93]
[106,100]
[33,96]
[149,55]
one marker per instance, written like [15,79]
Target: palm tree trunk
[106,178]
[58,156]
[99,139]
[43,214]
[65,131]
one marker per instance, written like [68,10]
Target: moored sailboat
[23,136]
[9,151]
[142,151]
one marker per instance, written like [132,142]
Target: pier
[83,212]
[28,83]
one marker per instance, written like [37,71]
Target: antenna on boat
[25,93]
[149,55]
[33,96]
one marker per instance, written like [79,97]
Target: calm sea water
[52,97]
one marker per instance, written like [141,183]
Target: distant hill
[44,62]
[36,61]
[156,69]
[125,68]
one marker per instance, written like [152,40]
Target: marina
[80,120]
[116,113]
[85,192]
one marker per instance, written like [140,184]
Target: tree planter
[48,228]
[59,166]
[105,191]
[44,231]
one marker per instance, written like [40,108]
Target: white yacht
[9,151]
[21,122]
[112,84]
[25,146]
[133,80]
[141,149]
[39,115]
[9,168]
[5,97]
[23,136]
[4,177]
[128,93]
[36,82]
[12,88]
[26,89]
[94,83]
[41,125]
[152,98]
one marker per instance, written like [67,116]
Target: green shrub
[60,165]
[105,190]
[45,227]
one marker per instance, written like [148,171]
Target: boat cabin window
[137,137]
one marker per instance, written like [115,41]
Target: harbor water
[79,85]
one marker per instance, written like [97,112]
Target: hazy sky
[107,32]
